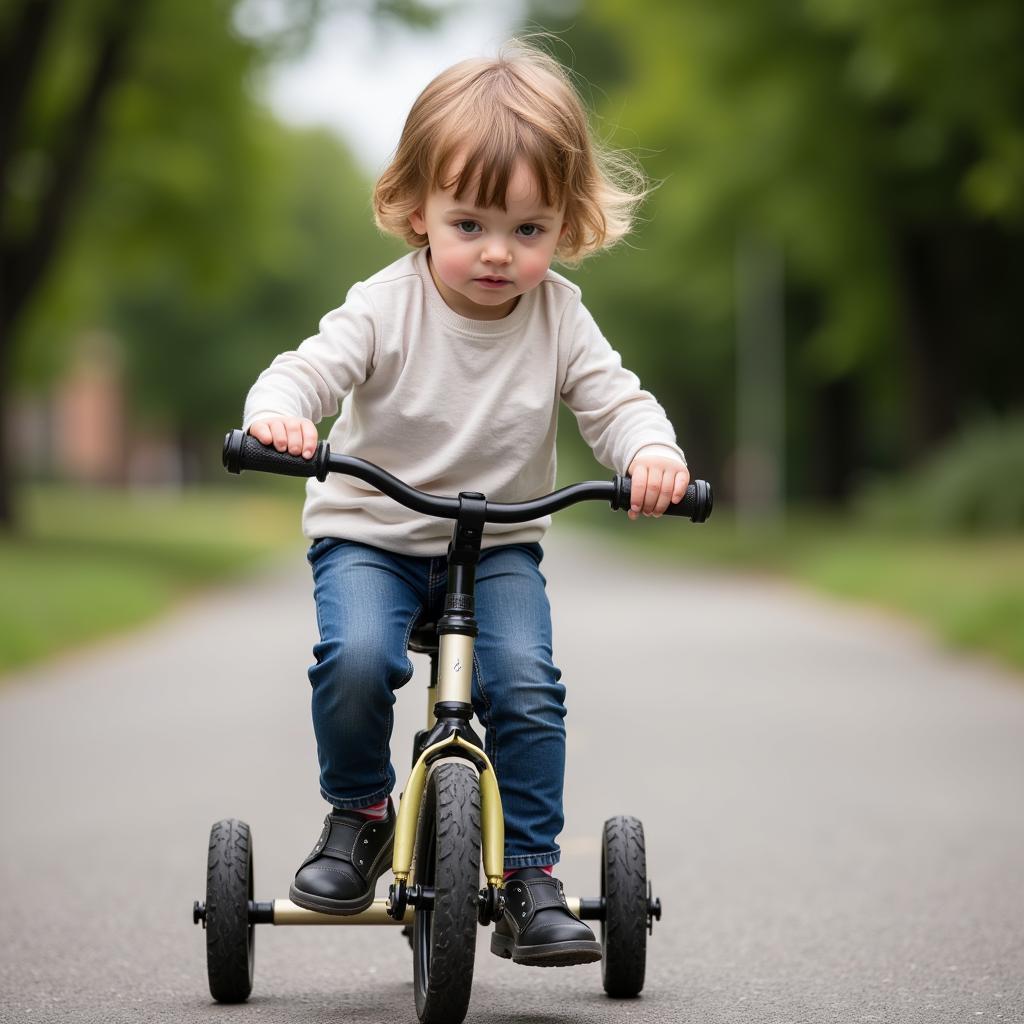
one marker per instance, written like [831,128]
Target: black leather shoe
[538,928]
[341,871]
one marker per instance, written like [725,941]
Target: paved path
[834,812]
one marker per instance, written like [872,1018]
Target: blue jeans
[367,601]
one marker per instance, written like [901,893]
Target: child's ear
[417,223]
[562,230]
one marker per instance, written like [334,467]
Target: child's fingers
[261,431]
[682,481]
[295,439]
[664,494]
[673,488]
[655,487]
[279,433]
[291,434]
[637,491]
[309,439]
[653,490]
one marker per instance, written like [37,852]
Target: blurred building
[88,414]
[81,430]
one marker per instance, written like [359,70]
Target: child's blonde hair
[519,105]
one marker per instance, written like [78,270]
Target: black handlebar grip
[243,451]
[695,506]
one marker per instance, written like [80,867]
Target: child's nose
[497,252]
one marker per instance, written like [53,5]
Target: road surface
[834,810]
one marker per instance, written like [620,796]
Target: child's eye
[530,230]
[467,227]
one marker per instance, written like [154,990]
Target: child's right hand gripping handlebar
[242,451]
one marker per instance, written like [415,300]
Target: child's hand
[287,433]
[658,481]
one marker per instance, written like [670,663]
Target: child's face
[483,259]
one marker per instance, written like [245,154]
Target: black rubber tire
[447,860]
[624,888]
[230,938]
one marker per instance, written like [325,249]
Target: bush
[974,484]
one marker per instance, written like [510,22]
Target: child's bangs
[473,123]
[490,160]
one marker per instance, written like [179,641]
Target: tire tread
[453,798]
[228,933]
[624,885]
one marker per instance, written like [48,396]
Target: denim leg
[520,702]
[366,603]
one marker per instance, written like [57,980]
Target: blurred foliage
[207,235]
[975,484]
[211,235]
[880,144]
[315,239]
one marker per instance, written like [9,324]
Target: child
[451,363]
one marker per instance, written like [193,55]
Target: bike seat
[423,638]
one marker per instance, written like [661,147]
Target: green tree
[127,131]
[881,145]
[190,363]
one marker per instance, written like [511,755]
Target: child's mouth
[492,282]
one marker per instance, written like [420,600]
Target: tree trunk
[18,59]
[931,323]
[838,434]
[24,261]
[7,515]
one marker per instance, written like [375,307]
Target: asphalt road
[834,811]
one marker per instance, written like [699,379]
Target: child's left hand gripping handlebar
[242,451]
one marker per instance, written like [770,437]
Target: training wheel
[230,937]
[626,902]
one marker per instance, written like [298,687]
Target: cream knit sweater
[450,404]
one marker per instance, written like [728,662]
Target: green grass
[968,589]
[86,562]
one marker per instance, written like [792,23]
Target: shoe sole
[551,954]
[342,908]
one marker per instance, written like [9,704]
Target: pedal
[490,904]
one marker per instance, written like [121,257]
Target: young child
[451,363]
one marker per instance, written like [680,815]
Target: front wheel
[447,859]
[230,938]
[624,888]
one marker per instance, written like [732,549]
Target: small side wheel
[447,858]
[229,935]
[624,888]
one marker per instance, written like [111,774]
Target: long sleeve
[616,416]
[312,380]
[448,403]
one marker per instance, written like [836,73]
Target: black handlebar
[242,451]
